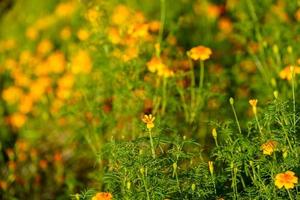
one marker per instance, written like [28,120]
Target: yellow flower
[65,33]
[155,64]
[83,34]
[26,104]
[92,16]
[149,119]
[18,120]
[102,196]
[200,53]
[66,81]
[56,62]
[65,9]
[286,73]
[253,103]
[114,35]
[12,94]
[268,147]
[44,47]
[286,180]
[81,63]
[165,72]
[120,15]
[32,33]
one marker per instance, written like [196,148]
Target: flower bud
[275,93]
[231,101]
[193,187]
[275,49]
[211,167]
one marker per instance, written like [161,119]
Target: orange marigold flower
[286,73]
[268,147]
[253,102]
[155,64]
[149,119]
[102,196]
[200,53]
[286,180]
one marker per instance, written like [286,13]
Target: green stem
[290,195]
[201,80]
[151,143]
[192,108]
[236,118]
[258,125]
[162,21]
[146,188]
[164,103]
[294,99]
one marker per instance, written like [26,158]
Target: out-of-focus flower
[65,33]
[65,9]
[286,180]
[81,63]
[114,35]
[200,53]
[120,15]
[83,34]
[155,64]
[32,33]
[269,147]
[286,73]
[56,62]
[92,16]
[26,104]
[253,103]
[17,120]
[102,196]
[225,25]
[12,94]
[148,120]
[44,47]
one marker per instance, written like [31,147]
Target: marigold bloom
[83,34]
[286,180]
[269,147]
[102,196]
[12,94]
[155,64]
[18,120]
[200,53]
[56,62]
[120,15]
[253,103]
[81,63]
[286,73]
[149,119]
[44,47]
[65,33]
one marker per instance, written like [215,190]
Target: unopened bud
[275,93]
[231,101]
[193,187]
[275,49]
[128,185]
[231,165]
[285,153]
[211,167]
[174,166]
[142,170]
[290,49]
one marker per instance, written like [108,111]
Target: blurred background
[75,74]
